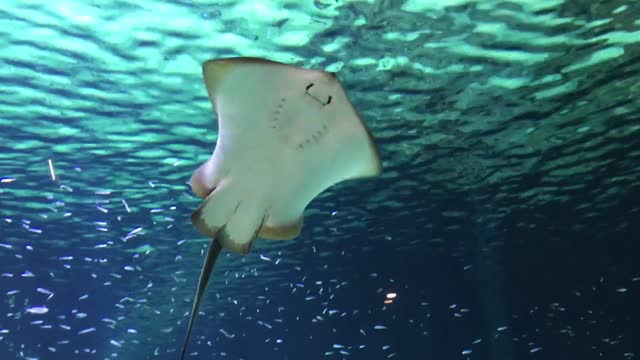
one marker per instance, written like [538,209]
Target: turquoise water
[506,218]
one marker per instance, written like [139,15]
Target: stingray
[285,134]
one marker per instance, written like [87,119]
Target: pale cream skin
[285,134]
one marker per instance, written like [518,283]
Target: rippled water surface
[506,219]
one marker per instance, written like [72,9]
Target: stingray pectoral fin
[216,70]
[281,232]
[205,275]
[213,72]
[202,178]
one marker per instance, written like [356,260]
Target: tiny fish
[38,310]
[88,330]
[115,343]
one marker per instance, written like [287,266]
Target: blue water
[505,220]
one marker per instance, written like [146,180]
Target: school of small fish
[51,302]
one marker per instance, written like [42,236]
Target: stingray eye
[308,87]
[329,100]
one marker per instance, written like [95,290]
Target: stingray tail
[205,274]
